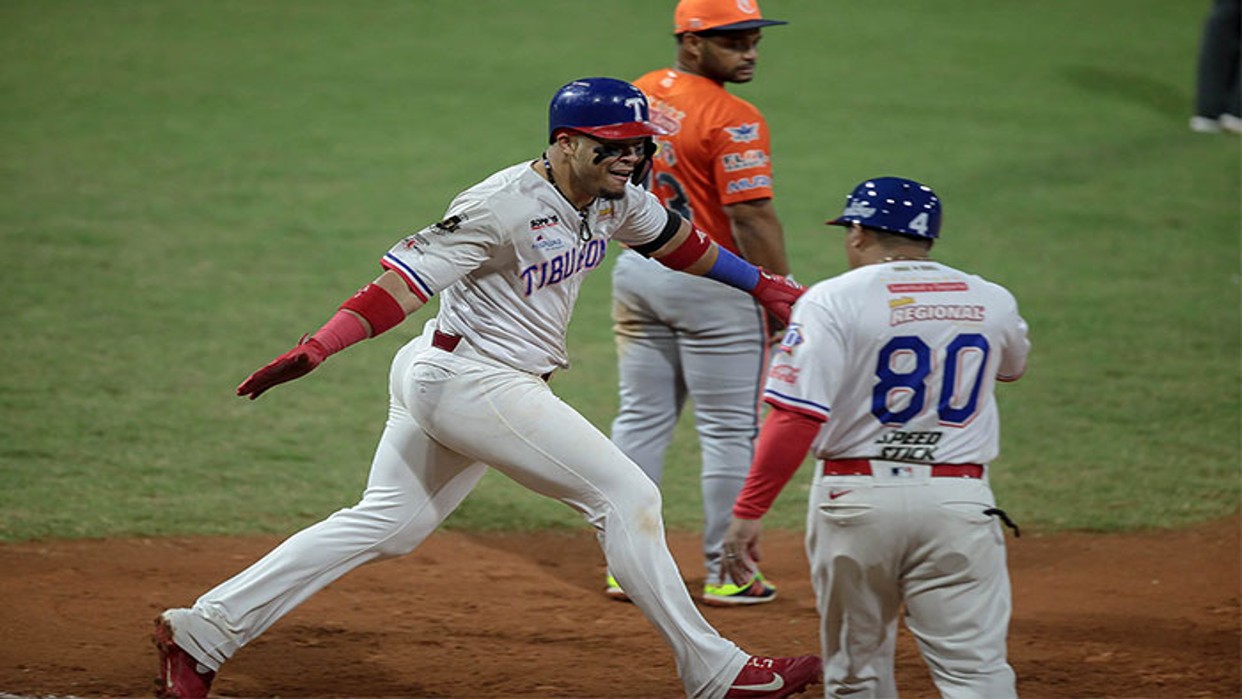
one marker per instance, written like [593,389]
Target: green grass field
[188,187]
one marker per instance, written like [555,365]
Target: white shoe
[1202,124]
[1230,123]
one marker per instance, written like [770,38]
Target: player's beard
[597,180]
[605,189]
[743,74]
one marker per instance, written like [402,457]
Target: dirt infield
[1135,615]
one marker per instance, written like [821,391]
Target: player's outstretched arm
[783,442]
[377,307]
[691,250]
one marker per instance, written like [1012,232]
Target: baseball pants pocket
[845,515]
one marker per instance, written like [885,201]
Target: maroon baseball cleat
[180,676]
[773,678]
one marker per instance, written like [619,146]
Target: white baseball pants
[451,415]
[877,544]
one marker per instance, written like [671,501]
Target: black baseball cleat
[774,678]
[181,676]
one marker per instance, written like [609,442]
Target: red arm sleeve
[783,442]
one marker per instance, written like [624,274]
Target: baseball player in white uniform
[887,374]
[507,261]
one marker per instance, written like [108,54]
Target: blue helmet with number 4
[606,108]
[893,204]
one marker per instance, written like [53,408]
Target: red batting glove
[295,363]
[777,294]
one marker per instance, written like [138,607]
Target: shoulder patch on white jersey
[451,223]
[784,373]
[793,338]
[420,239]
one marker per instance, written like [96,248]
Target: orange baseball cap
[719,15]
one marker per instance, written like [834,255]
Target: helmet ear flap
[643,169]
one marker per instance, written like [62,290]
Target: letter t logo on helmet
[606,108]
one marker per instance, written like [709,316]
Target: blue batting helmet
[895,205]
[607,108]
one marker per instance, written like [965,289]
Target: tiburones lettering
[569,263]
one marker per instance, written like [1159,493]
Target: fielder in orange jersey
[718,152]
[679,339]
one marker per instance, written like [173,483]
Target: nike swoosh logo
[839,493]
[777,683]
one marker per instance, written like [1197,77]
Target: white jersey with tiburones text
[510,256]
[901,359]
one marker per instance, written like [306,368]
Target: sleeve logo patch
[743,133]
[412,242]
[744,161]
[784,373]
[450,224]
[793,338]
[748,183]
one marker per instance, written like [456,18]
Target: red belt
[445,341]
[448,343]
[862,467]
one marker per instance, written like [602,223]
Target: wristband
[733,270]
[342,330]
[377,306]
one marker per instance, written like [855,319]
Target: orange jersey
[717,151]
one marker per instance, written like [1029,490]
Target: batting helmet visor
[606,108]
[893,204]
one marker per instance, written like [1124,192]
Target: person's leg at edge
[1216,80]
